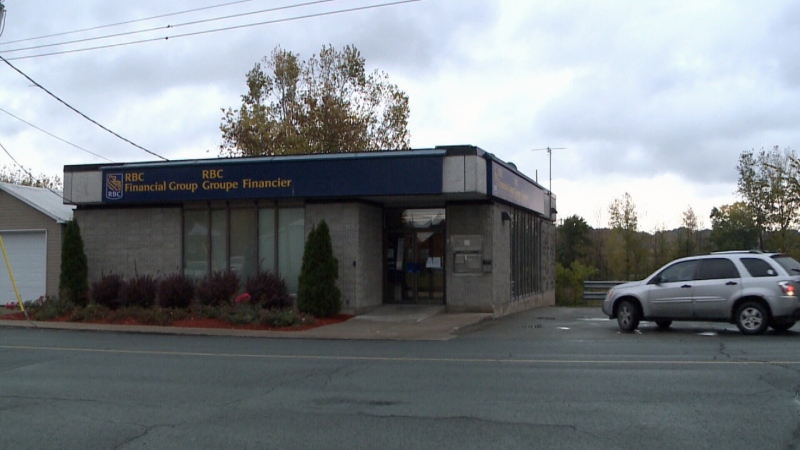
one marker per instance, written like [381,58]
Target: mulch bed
[204,323]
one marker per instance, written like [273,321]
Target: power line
[56,137]
[64,33]
[166,27]
[30,175]
[214,30]
[80,113]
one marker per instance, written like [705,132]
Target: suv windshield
[788,263]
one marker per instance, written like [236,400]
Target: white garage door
[27,253]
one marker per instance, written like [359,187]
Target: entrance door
[415,259]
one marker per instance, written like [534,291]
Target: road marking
[392,358]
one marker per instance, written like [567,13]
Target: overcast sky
[654,98]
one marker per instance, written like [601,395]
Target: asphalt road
[548,378]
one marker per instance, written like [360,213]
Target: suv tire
[663,324]
[752,318]
[628,316]
[781,327]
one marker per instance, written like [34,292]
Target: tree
[733,227]
[687,244]
[574,242]
[624,223]
[768,183]
[328,104]
[26,178]
[317,293]
[73,283]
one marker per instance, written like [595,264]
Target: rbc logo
[114,186]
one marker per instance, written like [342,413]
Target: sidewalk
[387,322]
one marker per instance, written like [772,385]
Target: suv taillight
[787,287]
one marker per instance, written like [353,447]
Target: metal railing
[596,290]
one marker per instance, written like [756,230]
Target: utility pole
[2,17]
[550,157]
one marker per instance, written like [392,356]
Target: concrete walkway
[387,322]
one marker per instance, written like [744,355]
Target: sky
[656,99]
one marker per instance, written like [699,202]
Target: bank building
[451,225]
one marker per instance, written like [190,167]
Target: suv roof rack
[733,252]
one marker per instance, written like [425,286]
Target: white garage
[27,254]
[32,222]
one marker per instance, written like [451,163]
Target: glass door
[415,258]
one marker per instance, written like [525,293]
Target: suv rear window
[788,263]
[759,267]
[716,269]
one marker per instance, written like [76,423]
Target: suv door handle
[686,286]
[731,283]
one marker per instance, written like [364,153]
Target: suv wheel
[628,316]
[752,318]
[780,327]
[663,324]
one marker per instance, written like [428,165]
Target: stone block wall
[117,240]
[357,237]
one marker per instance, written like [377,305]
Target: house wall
[357,238]
[17,215]
[130,240]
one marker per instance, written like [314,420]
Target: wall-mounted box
[466,243]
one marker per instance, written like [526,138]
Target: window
[525,253]
[681,271]
[244,240]
[716,269]
[758,267]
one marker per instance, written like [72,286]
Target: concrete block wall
[356,234]
[470,292]
[116,240]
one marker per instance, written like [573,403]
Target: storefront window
[219,239]
[244,234]
[291,242]
[195,243]
[266,239]
[244,240]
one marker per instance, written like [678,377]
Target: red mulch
[206,323]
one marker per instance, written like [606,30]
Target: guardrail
[596,290]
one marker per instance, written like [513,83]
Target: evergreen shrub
[317,292]
[73,282]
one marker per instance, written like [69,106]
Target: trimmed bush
[139,291]
[106,290]
[268,290]
[73,281]
[317,292]
[219,288]
[176,291]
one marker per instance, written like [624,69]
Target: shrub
[106,290]
[90,313]
[176,291]
[569,283]
[268,290]
[73,281]
[150,316]
[317,292]
[139,291]
[218,288]
[46,308]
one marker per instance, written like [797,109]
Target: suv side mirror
[656,280]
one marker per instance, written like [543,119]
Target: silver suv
[752,289]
